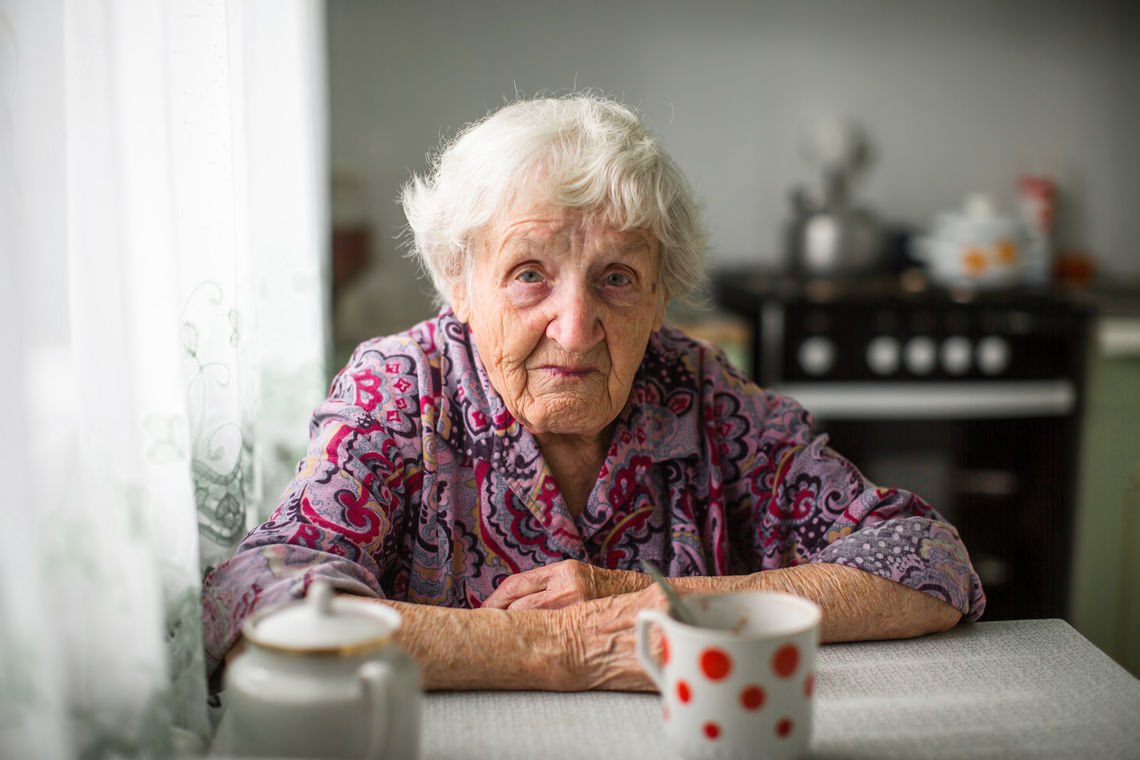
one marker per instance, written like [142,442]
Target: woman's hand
[591,645]
[597,620]
[563,584]
[601,639]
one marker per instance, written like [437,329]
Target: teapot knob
[319,597]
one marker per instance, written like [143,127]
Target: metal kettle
[830,237]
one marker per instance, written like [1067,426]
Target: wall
[956,97]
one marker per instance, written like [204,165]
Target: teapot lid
[323,624]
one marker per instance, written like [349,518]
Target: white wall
[956,97]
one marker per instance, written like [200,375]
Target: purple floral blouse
[420,486]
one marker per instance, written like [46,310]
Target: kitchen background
[953,99]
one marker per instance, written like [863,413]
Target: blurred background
[953,98]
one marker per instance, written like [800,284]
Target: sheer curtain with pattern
[162,342]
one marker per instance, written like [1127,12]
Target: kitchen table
[1005,689]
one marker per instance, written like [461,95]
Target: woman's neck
[575,462]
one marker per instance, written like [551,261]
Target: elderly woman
[496,473]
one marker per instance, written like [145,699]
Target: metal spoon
[677,608]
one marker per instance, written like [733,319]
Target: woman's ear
[459,303]
[663,306]
[461,285]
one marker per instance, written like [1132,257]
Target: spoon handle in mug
[678,608]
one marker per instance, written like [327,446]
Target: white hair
[588,152]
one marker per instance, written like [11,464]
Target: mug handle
[645,619]
[374,677]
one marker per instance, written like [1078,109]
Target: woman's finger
[561,584]
[515,587]
[549,598]
[537,601]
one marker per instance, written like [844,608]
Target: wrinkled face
[561,308]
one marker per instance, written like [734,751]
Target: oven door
[993,458]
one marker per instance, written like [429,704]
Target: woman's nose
[576,323]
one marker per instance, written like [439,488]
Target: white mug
[739,684]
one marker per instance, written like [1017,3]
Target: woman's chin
[586,420]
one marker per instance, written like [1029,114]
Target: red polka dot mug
[739,684]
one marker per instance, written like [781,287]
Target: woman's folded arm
[584,646]
[857,605]
[590,644]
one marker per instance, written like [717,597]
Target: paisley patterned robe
[419,485]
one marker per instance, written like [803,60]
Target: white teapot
[324,678]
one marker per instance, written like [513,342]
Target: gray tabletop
[1030,688]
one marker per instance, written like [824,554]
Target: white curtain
[162,342]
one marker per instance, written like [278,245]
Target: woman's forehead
[541,217]
[554,234]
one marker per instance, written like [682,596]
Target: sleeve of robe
[789,499]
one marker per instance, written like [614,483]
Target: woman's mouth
[566,372]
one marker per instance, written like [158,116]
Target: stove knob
[920,355]
[993,354]
[883,355]
[957,353]
[817,355]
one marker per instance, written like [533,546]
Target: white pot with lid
[974,247]
[324,678]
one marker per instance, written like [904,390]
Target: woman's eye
[529,276]
[618,279]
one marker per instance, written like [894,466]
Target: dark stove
[971,399]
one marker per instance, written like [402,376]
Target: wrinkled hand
[562,584]
[602,641]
